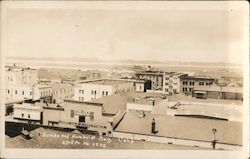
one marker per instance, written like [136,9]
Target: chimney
[153,126]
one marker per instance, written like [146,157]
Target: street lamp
[214,140]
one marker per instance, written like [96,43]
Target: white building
[90,90]
[27,112]
[42,91]
[21,76]
[61,91]
[18,92]
[171,83]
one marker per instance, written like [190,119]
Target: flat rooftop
[108,81]
[115,102]
[182,97]
[183,127]
[216,88]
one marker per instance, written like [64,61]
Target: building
[21,76]
[28,113]
[81,115]
[18,92]
[180,130]
[61,91]
[42,92]
[189,82]
[171,83]
[218,92]
[156,78]
[93,89]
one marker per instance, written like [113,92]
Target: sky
[145,34]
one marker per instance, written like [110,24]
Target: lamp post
[214,140]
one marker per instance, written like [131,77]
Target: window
[190,83]
[166,78]
[30,93]
[22,92]
[82,91]
[190,89]
[174,90]
[22,115]
[79,98]
[92,92]
[107,93]
[15,91]
[91,116]
[166,84]
[95,92]
[103,93]
[72,113]
[8,91]
[28,115]
[166,90]
[140,87]
[82,99]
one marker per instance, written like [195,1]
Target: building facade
[156,78]
[218,92]
[171,83]
[61,91]
[21,76]
[90,90]
[189,82]
[28,112]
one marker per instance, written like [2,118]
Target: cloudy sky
[146,34]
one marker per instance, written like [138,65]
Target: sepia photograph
[128,75]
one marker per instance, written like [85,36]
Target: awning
[200,92]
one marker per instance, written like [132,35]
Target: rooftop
[109,81]
[198,77]
[183,127]
[115,102]
[83,102]
[182,97]
[27,106]
[219,89]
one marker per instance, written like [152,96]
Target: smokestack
[153,126]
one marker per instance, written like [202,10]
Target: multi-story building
[18,92]
[93,89]
[171,83]
[156,78]
[21,76]
[42,92]
[61,91]
[189,82]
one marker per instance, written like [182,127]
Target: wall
[51,115]
[87,94]
[34,114]
[135,106]
[139,87]
[85,109]
[61,92]
[23,92]
[176,141]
